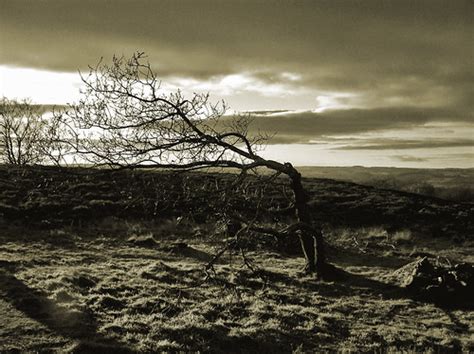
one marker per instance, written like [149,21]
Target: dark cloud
[266,112]
[395,64]
[389,144]
[298,127]
[410,158]
[335,45]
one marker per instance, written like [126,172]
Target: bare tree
[25,136]
[126,120]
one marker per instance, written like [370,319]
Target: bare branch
[125,120]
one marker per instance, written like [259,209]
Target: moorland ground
[116,262]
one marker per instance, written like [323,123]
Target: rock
[453,285]
[415,274]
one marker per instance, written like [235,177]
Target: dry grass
[103,293]
[92,263]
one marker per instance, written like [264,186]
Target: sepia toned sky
[375,83]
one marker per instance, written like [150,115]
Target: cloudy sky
[374,83]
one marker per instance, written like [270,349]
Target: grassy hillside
[49,196]
[116,262]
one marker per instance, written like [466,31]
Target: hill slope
[116,262]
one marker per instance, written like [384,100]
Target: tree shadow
[351,257]
[343,283]
[347,283]
[78,326]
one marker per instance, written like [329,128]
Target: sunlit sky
[373,83]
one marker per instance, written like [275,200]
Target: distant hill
[451,184]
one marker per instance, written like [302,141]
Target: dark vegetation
[118,261]
[55,197]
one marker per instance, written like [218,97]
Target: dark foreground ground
[105,282]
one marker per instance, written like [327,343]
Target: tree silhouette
[25,136]
[125,119]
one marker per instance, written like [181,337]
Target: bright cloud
[42,86]
[232,84]
[242,91]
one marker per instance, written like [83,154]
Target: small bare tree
[126,120]
[25,136]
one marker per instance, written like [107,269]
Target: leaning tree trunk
[311,239]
